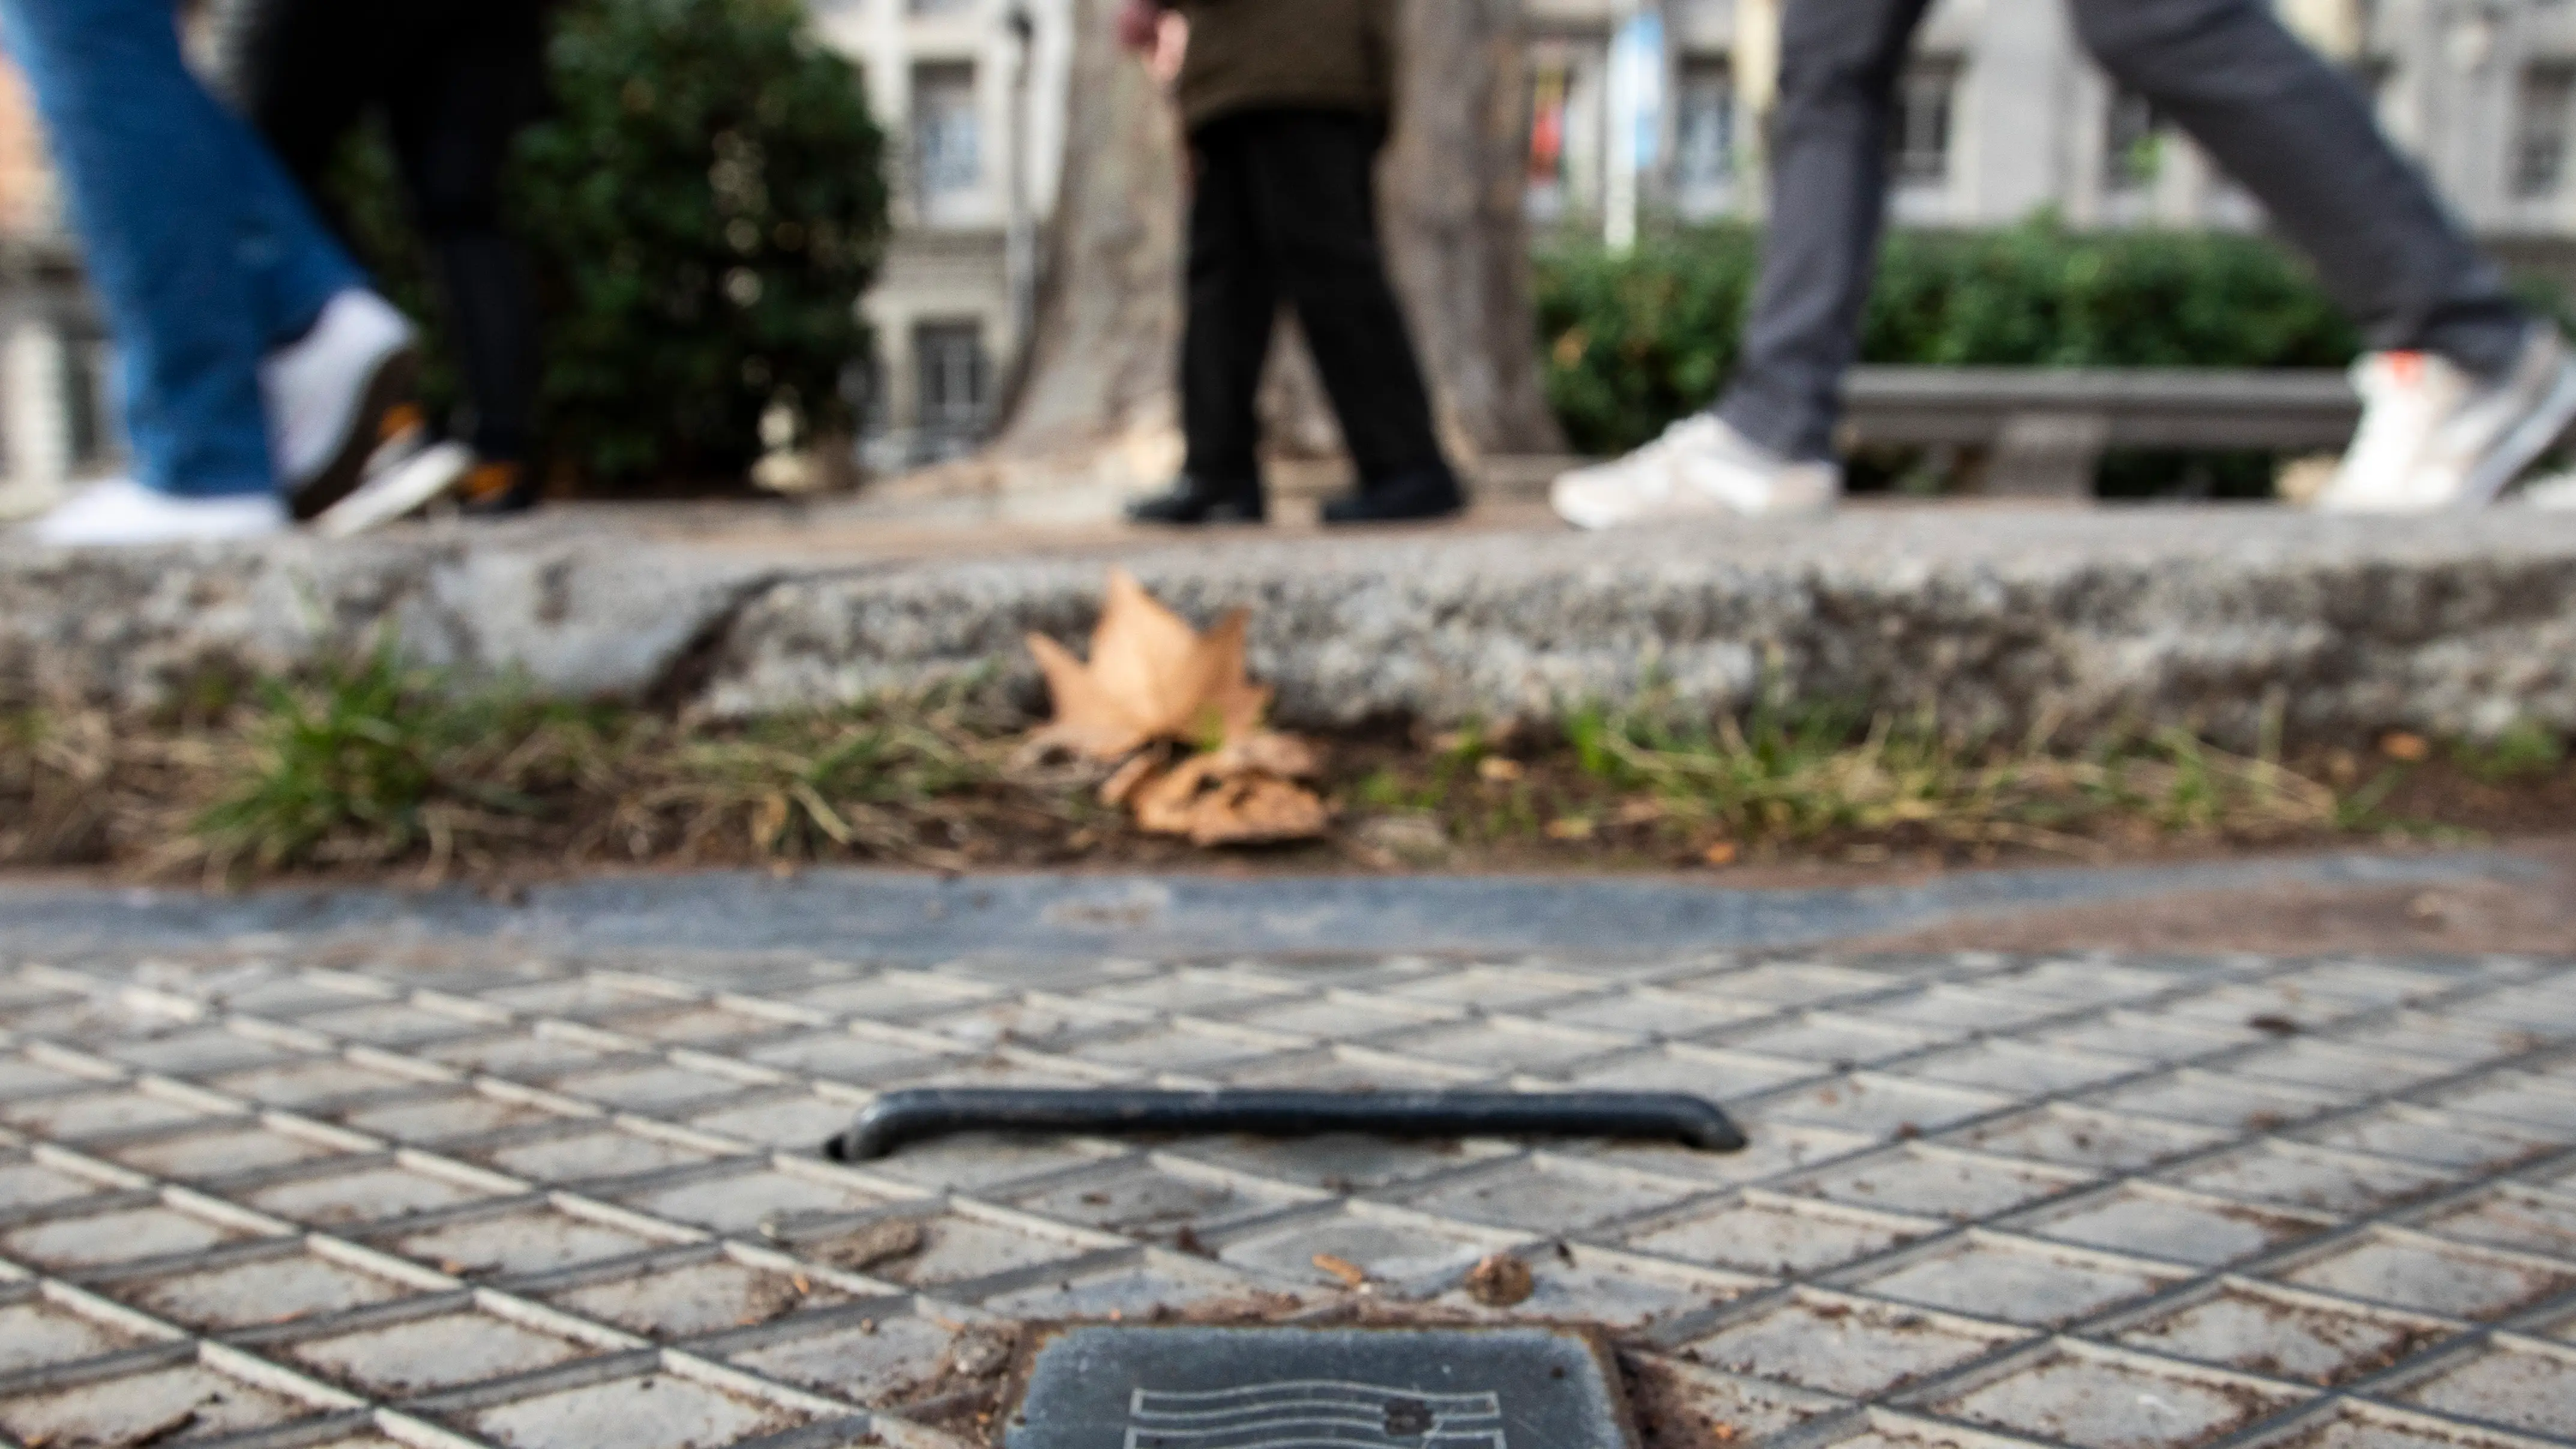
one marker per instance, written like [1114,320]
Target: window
[953,385]
[947,139]
[2540,131]
[2132,143]
[1919,141]
[1704,120]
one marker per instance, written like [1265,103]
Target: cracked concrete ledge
[2001,619]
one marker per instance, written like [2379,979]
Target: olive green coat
[1249,55]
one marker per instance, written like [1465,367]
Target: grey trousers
[2289,127]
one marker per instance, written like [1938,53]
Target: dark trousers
[2286,125]
[455,82]
[1286,210]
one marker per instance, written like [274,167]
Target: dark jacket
[1248,55]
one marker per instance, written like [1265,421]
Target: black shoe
[1403,499]
[1190,501]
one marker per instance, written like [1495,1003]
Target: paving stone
[1850,1346]
[38,1334]
[260,1291]
[2440,1138]
[1156,1199]
[1784,1238]
[2284,1336]
[2119,1137]
[1719,1075]
[1549,1195]
[91,1240]
[872,1361]
[89,1114]
[761,1202]
[710,1296]
[651,1411]
[2181,1227]
[418,1355]
[2521,1388]
[524,1240]
[160,1406]
[2304,1177]
[2433,1277]
[1389,1250]
[589,1153]
[368,1195]
[1583,1284]
[2077,1396]
[1929,1182]
[1165,1286]
[2018,1282]
[2510,1217]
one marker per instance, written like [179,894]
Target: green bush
[706,203]
[1634,342]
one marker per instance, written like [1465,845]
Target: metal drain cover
[1116,1387]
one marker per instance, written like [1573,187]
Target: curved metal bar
[898,1119]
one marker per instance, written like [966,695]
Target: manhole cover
[1111,1387]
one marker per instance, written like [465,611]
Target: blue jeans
[200,250]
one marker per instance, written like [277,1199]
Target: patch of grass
[1803,774]
[2528,750]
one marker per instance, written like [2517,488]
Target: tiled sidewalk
[456,1197]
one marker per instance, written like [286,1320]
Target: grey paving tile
[1547,1194]
[2529,1388]
[1166,1285]
[377,1193]
[1719,1075]
[537,1239]
[1876,1104]
[197,1152]
[710,1295]
[1934,1182]
[2018,1281]
[2443,1139]
[589,1151]
[1777,1237]
[1850,1346]
[2510,1217]
[756,1200]
[1157,1198]
[1720,1407]
[1341,1163]
[2089,1138]
[2284,1335]
[39,1333]
[2433,1277]
[2179,1227]
[873,1361]
[1399,1250]
[274,1289]
[2081,1396]
[2313,1178]
[176,1405]
[649,1411]
[1623,1291]
[92,1240]
[414,1356]
[2370,1426]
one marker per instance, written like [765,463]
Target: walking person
[2462,389]
[256,363]
[1287,104]
[455,82]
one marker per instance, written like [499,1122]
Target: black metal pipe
[900,1118]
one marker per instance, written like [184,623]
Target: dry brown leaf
[1501,1281]
[1131,777]
[1267,752]
[1351,1274]
[1150,677]
[1201,799]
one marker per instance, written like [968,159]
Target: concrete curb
[1999,619]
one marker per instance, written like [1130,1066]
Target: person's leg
[303,73]
[201,254]
[2301,138]
[455,112]
[1314,179]
[1839,63]
[1233,308]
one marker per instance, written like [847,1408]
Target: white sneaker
[328,392]
[398,489]
[2435,436]
[121,513]
[1699,468]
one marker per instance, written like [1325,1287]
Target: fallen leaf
[2406,748]
[1131,777]
[1572,827]
[1501,1281]
[1496,769]
[1722,854]
[1643,811]
[1351,1274]
[1270,753]
[1150,677]
[1198,799]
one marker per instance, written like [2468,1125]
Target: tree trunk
[1099,374]
[1097,393]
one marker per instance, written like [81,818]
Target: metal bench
[2045,429]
